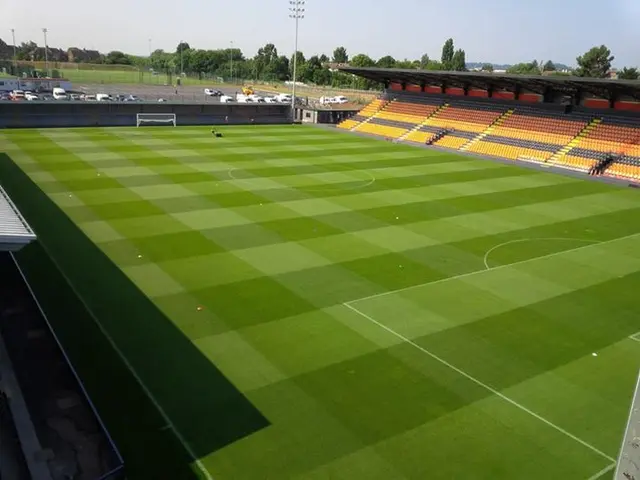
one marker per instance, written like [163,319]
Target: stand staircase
[497,122]
[424,122]
[384,104]
[560,154]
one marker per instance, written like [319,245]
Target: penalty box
[421,315]
[455,301]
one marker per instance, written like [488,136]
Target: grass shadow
[86,293]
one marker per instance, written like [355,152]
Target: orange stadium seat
[586,142]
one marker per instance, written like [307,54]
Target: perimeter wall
[94,114]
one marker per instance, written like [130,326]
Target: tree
[595,63]
[447,54]
[278,68]
[324,59]
[628,74]
[300,61]
[487,67]
[386,62]
[549,67]
[322,77]
[340,55]
[424,61]
[263,58]
[117,58]
[361,60]
[531,68]
[458,62]
[434,65]
[182,46]
[407,64]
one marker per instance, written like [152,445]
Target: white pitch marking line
[523,240]
[621,455]
[522,262]
[595,476]
[480,383]
[635,336]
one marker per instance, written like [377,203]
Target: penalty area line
[491,269]
[606,469]
[479,382]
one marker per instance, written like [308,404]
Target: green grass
[125,77]
[303,303]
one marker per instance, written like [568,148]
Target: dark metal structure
[548,86]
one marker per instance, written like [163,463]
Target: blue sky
[499,31]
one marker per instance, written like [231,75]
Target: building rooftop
[15,232]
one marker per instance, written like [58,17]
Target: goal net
[155,119]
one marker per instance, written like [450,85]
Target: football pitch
[329,306]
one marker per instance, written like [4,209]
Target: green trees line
[268,65]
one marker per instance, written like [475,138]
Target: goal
[155,119]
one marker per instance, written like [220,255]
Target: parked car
[59,94]
[17,95]
[283,98]
[75,97]
[131,98]
[212,93]
[103,97]
[46,98]
[30,96]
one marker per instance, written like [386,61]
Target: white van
[59,94]
[283,98]
[102,97]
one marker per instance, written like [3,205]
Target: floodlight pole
[15,57]
[231,59]
[46,55]
[181,58]
[297,13]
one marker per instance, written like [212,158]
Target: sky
[497,31]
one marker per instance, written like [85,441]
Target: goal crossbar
[155,119]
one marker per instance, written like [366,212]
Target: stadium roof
[537,83]
[15,233]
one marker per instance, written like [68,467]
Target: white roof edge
[14,229]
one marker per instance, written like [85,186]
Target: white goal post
[155,119]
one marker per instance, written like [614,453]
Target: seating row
[578,141]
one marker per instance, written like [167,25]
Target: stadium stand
[49,428]
[421,107]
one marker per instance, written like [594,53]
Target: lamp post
[181,58]
[15,57]
[46,54]
[296,12]
[231,60]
